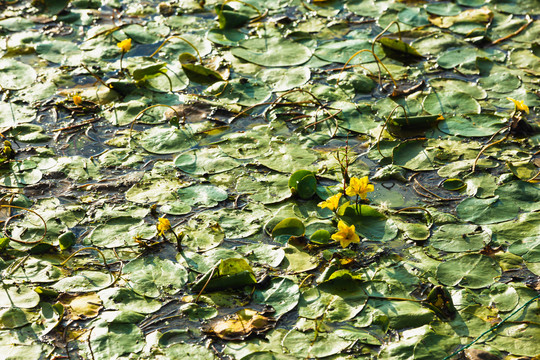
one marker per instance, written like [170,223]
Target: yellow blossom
[124,45]
[345,235]
[359,187]
[77,100]
[520,105]
[163,225]
[331,203]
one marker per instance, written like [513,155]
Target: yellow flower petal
[520,105]
[331,203]
[345,235]
[359,187]
[163,225]
[77,100]
[124,45]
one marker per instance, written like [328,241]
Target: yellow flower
[359,187]
[124,45]
[345,234]
[77,100]
[520,105]
[163,225]
[331,203]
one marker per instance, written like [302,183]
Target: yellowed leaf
[482,15]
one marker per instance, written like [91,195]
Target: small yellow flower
[7,149]
[124,45]
[77,100]
[345,235]
[359,187]
[163,225]
[520,105]
[331,203]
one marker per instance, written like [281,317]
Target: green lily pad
[472,271]
[84,281]
[18,296]
[521,193]
[202,236]
[528,249]
[451,102]
[487,211]
[512,231]
[36,270]
[342,51]
[166,140]
[413,16]
[285,79]
[15,75]
[272,52]
[297,260]
[368,222]
[259,253]
[118,231]
[413,155]
[303,183]
[245,145]
[153,276]
[459,238]
[268,189]
[282,295]
[227,37]
[307,344]
[112,340]
[61,52]
[14,114]
[473,125]
[241,92]
[202,195]
[205,161]
[286,156]
[443,9]
[125,299]
[339,299]
[288,227]
[227,274]
[185,351]
[502,82]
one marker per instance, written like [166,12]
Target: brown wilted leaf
[240,325]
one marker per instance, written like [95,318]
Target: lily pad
[272,52]
[451,103]
[166,140]
[487,211]
[15,75]
[282,295]
[473,271]
[459,238]
[154,276]
[205,161]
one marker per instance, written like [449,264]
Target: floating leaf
[288,227]
[272,52]
[15,75]
[399,49]
[151,276]
[227,274]
[240,325]
[303,183]
[282,295]
[472,271]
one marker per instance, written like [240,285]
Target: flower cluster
[359,188]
